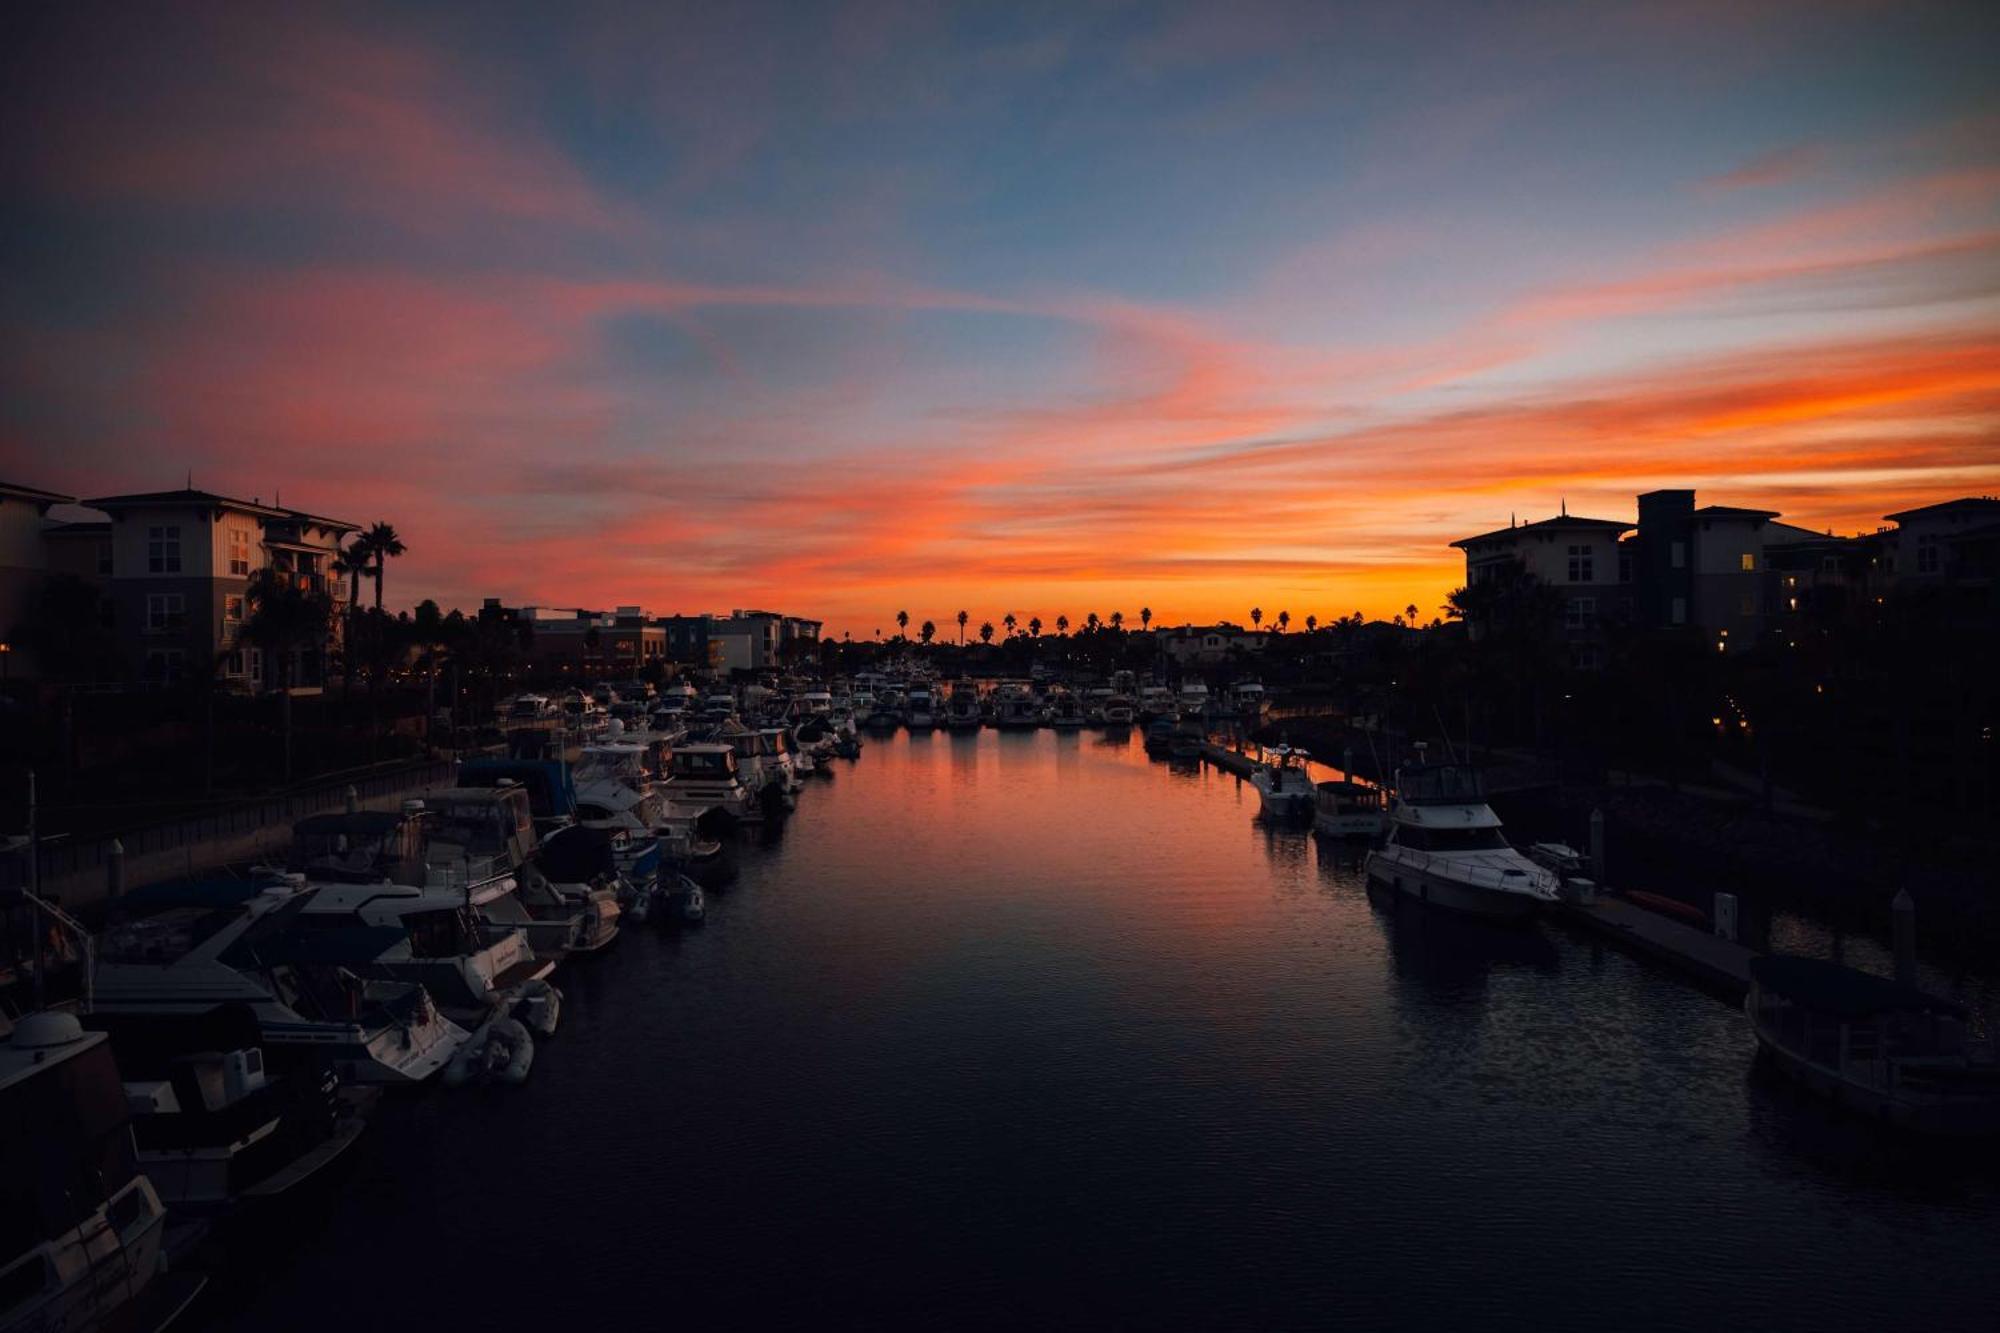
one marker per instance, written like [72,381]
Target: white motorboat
[1016,709]
[1155,701]
[83,1227]
[1192,698]
[615,793]
[1348,809]
[187,949]
[704,776]
[962,709]
[1445,847]
[1284,784]
[1066,712]
[920,708]
[1119,712]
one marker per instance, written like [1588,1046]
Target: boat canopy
[1844,992]
[551,790]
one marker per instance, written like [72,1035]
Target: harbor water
[1027,1030]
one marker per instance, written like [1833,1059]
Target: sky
[1043,309]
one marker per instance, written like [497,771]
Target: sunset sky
[845,309]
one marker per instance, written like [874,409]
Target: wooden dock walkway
[1719,966]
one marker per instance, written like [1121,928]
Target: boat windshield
[703,763]
[1450,839]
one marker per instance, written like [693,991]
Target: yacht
[1155,701]
[1095,700]
[704,777]
[962,710]
[1249,701]
[921,708]
[215,1128]
[1348,809]
[1445,847]
[615,793]
[1192,698]
[83,1227]
[1119,712]
[477,839]
[782,752]
[1283,784]
[1016,709]
[1065,712]
[187,949]
[1887,1049]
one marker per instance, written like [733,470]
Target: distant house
[1581,558]
[178,579]
[1944,543]
[24,566]
[1195,645]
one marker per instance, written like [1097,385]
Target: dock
[1717,965]
[1228,760]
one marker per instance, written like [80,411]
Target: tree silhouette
[1145,617]
[1009,621]
[1284,621]
[962,618]
[1091,622]
[929,630]
[383,545]
[986,632]
[1312,623]
[1062,624]
[1256,616]
[1118,620]
[1035,627]
[903,623]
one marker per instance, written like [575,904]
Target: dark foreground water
[1028,1031]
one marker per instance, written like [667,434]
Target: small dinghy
[539,1007]
[500,1052]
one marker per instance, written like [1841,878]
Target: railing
[65,858]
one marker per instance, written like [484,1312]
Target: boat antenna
[1444,731]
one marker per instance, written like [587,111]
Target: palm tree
[962,618]
[1284,621]
[1410,613]
[1118,621]
[903,623]
[1091,622]
[1145,617]
[282,620]
[929,630]
[1312,623]
[986,632]
[1256,616]
[1062,624]
[1009,621]
[1035,627]
[384,545]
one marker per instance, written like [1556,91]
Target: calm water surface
[1027,1030]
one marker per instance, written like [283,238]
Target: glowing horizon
[901,307]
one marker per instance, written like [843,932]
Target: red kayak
[1686,913]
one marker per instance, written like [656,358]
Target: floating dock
[1717,965]
[1230,761]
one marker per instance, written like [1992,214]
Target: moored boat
[1445,848]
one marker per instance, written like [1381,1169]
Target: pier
[1717,965]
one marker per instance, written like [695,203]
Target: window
[1680,555]
[1927,555]
[1580,565]
[165,612]
[233,665]
[1580,613]
[163,665]
[1829,564]
[1680,611]
[239,552]
[163,550]
[232,609]
[1749,563]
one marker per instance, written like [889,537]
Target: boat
[1119,712]
[615,793]
[1445,847]
[1155,701]
[188,948]
[1348,809]
[1192,698]
[501,1051]
[1065,712]
[476,836]
[83,1226]
[920,708]
[679,901]
[704,776]
[1886,1049]
[1160,736]
[578,866]
[962,709]
[1187,737]
[1284,785]
[1015,709]
[1248,700]
[216,1129]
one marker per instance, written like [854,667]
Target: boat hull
[1948,1117]
[1452,895]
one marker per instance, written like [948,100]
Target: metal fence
[63,858]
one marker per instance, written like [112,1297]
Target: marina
[975,992]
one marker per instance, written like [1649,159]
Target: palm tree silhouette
[1284,621]
[1312,623]
[986,632]
[929,630]
[1118,620]
[384,545]
[1256,616]
[1035,627]
[1145,617]
[1091,622]
[962,618]
[1009,621]
[1062,624]
[903,623]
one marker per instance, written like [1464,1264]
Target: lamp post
[6,651]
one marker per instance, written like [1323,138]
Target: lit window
[163,550]
[232,609]
[239,552]
[1749,563]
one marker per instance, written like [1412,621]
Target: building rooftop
[1965,504]
[190,496]
[1560,523]
[36,494]
[1733,511]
